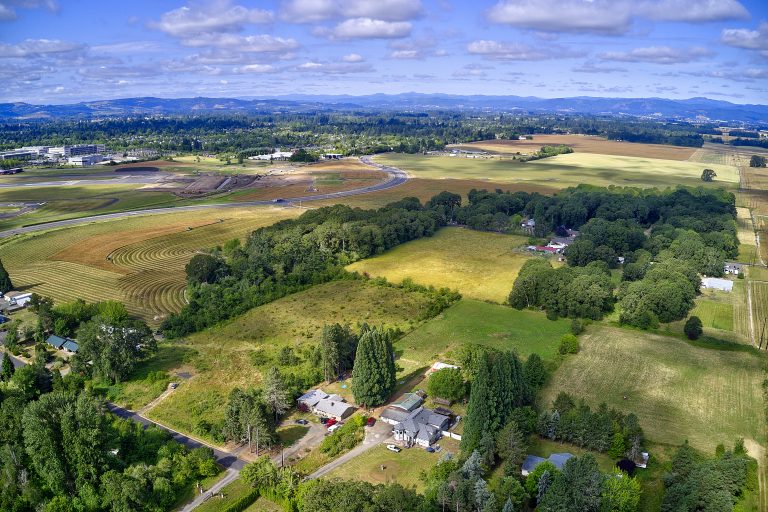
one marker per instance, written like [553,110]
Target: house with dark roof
[532,461]
[401,410]
[70,346]
[56,341]
[423,427]
[324,405]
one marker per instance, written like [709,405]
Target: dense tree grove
[249,418]
[448,384]
[61,451]
[699,483]
[602,430]
[373,374]
[294,254]
[5,280]
[757,161]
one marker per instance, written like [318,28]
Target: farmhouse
[713,283]
[544,248]
[414,424]
[324,405]
[733,268]
[70,346]
[531,461]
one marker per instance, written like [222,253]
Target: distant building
[18,299]
[531,461]
[13,170]
[18,154]
[277,155]
[56,341]
[70,346]
[714,283]
[333,156]
[440,366]
[733,268]
[77,150]
[84,160]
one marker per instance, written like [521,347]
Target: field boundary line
[749,307]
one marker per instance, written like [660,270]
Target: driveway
[311,439]
[380,433]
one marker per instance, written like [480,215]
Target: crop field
[678,390]
[715,309]
[235,353]
[71,202]
[564,171]
[139,260]
[403,468]
[746,234]
[477,264]
[760,310]
[491,325]
[585,144]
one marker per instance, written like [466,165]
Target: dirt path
[757,452]
[151,405]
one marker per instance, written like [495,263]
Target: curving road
[396,177]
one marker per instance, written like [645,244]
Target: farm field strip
[677,390]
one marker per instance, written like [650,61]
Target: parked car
[331,422]
[371,422]
[394,448]
[324,421]
[173,385]
[334,428]
[302,422]
[430,449]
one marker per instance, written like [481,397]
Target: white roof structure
[440,366]
[715,283]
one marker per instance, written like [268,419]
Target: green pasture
[564,171]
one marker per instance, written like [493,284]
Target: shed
[714,283]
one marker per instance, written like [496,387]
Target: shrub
[345,438]
[569,344]
[243,502]
[447,383]
[693,328]
[577,326]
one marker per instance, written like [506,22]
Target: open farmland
[491,325]
[477,264]
[584,144]
[236,353]
[564,171]
[678,390]
[139,260]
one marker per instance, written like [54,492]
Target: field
[491,325]
[564,171]
[746,234]
[480,265]
[403,468]
[139,260]
[678,390]
[585,144]
[760,310]
[235,353]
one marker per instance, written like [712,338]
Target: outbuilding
[714,283]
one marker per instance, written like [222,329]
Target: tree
[535,372]
[511,445]
[693,328]
[618,445]
[578,487]
[6,372]
[373,375]
[447,383]
[620,494]
[757,161]
[275,393]
[708,175]
[205,268]
[569,344]
[330,350]
[247,418]
[5,280]
[114,348]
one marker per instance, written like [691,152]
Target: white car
[393,448]
[333,428]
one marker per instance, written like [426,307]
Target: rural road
[396,177]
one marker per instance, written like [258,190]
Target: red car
[371,421]
[331,422]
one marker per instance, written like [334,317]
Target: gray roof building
[531,461]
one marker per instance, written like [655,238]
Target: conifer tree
[7,368]
[5,280]
[478,417]
[373,376]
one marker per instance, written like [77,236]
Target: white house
[714,283]
[424,427]
[326,406]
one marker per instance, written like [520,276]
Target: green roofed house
[70,346]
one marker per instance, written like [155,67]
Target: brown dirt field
[297,184]
[150,163]
[93,251]
[586,144]
[338,165]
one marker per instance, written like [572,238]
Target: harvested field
[479,265]
[678,390]
[586,144]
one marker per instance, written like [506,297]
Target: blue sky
[59,51]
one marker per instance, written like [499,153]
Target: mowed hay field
[474,322]
[585,144]
[678,391]
[479,265]
[237,352]
[138,260]
[564,171]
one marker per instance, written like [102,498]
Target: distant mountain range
[689,109]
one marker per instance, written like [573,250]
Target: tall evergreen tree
[478,417]
[275,393]
[6,372]
[5,280]
[373,376]
[329,351]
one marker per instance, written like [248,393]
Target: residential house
[56,341]
[733,268]
[414,424]
[402,410]
[70,346]
[326,406]
[531,461]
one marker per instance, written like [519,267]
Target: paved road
[396,177]
[211,494]
[227,460]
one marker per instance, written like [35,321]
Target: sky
[65,51]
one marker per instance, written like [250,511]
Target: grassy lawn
[264,505]
[291,434]
[678,391]
[564,171]
[492,325]
[139,261]
[403,468]
[232,492]
[480,265]
[236,353]
[189,492]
